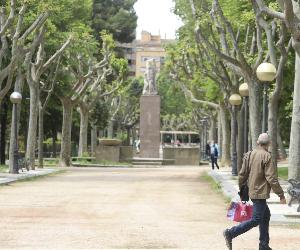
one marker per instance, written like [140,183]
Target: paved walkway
[94,208]
[6,178]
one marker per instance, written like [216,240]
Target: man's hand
[282,200]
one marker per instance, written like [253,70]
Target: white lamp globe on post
[244,92]
[235,100]
[266,73]
[16,99]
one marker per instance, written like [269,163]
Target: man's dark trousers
[214,160]
[261,217]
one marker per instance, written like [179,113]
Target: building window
[146,58]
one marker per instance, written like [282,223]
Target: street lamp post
[204,137]
[244,92]
[266,73]
[235,100]
[16,99]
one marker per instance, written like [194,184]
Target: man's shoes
[265,248]
[228,239]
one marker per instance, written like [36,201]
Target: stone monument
[150,114]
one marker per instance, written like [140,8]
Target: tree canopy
[117,17]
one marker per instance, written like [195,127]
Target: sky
[156,17]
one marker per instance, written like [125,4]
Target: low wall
[182,156]
[114,153]
[108,153]
[126,153]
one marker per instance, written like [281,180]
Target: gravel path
[122,208]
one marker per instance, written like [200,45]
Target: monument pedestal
[150,126]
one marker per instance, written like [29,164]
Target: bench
[294,192]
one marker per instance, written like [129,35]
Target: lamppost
[16,99]
[244,92]
[266,73]
[235,100]
[204,137]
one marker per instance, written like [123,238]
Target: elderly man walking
[259,172]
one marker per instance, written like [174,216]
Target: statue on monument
[150,78]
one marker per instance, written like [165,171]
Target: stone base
[108,153]
[150,126]
[126,153]
[183,156]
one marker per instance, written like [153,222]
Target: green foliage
[66,16]
[49,141]
[99,114]
[172,98]
[116,16]
[283,173]
[3,168]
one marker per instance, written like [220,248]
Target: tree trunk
[254,111]
[110,129]
[220,133]
[272,126]
[54,147]
[32,128]
[93,138]
[226,158]
[294,152]
[41,137]
[84,122]
[65,152]
[240,137]
[128,136]
[212,129]
[3,127]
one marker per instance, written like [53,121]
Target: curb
[9,178]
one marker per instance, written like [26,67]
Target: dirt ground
[122,208]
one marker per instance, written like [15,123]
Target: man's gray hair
[263,139]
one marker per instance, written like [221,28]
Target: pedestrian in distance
[138,145]
[207,151]
[260,174]
[214,154]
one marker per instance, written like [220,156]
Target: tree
[14,42]
[118,17]
[99,116]
[36,66]
[289,13]
[48,88]
[109,79]
[82,75]
[128,114]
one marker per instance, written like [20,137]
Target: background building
[139,51]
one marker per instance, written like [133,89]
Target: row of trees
[220,46]
[62,59]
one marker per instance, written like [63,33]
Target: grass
[102,162]
[215,186]
[283,173]
[51,162]
[3,168]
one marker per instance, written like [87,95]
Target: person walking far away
[138,145]
[214,154]
[259,172]
[207,151]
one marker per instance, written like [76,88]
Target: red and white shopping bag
[240,211]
